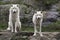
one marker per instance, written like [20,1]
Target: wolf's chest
[38,21]
[14,18]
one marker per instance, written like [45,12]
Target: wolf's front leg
[9,25]
[15,27]
[35,30]
[12,29]
[19,25]
[41,27]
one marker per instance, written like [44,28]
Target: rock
[37,37]
[29,36]
[5,36]
[57,36]
[46,36]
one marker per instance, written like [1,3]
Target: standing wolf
[37,18]
[14,19]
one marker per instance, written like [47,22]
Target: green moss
[1,3]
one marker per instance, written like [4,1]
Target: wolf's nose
[14,12]
[38,18]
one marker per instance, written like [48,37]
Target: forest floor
[5,35]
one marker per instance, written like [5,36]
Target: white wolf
[14,18]
[37,17]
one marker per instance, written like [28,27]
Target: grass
[3,26]
[27,28]
[53,27]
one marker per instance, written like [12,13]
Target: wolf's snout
[14,11]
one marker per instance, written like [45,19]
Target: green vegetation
[46,4]
[21,1]
[27,28]
[48,1]
[53,27]
[1,3]
[3,26]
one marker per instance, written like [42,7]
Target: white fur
[17,22]
[37,15]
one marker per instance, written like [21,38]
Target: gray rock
[46,36]
[52,14]
[23,36]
